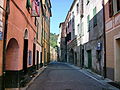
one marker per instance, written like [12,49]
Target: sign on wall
[35,8]
[99,46]
[1,35]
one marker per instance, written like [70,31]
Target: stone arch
[12,55]
[71,56]
[26,34]
[25,51]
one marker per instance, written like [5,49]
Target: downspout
[104,68]
[5,41]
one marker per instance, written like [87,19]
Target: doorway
[25,52]
[89,59]
[25,55]
[75,58]
[41,64]
[11,78]
[117,60]
[12,55]
[37,60]
[34,49]
[82,57]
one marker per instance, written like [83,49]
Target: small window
[88,2]
[78,28]
[28,5]
[30,57]
[35,22]
[111,8]
[77,8]
[118,5]
[94,17]
[88,22]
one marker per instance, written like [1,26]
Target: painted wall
[16,30]
[1,30]
[94,35]
[112,41]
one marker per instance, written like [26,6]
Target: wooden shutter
[118,5]
[110,8]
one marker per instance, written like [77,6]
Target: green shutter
[94,17]
[94,11]
[28,4]
[88,21]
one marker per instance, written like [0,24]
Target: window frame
[88,22]
[77,7]
[111,10]
[118,5]
[94,16]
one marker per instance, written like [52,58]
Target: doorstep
[24,88]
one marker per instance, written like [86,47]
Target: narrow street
[60,76]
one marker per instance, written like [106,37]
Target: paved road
[59,76]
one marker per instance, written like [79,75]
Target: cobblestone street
[60,76]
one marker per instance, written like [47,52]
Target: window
[30,57]
[110,8]
[82,9]
[82,29]
[35,22]
[28,5]
[88,2]
[69,36]
[73,23]
[88,22]
[114,7]
[37,33]
[77,8]
[118,5]
[78,28]
[94,17]
[68,24]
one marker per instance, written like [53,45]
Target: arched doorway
[71,56]
[75,58]
[12,54]
[25,51]
[12,64]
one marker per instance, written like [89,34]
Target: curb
[39,72]
[88,73]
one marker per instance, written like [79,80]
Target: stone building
[2,19]
[73,33]
[63,42]
[46,31]
[37,46]
[53,54]
[112,27]
[85,42]
[24,40]
[93,40]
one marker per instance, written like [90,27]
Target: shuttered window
[88,22]
[110,8]
[118,5]
[94,17]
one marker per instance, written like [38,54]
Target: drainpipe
[5,41]
[104,68]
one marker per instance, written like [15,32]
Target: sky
[60,9]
